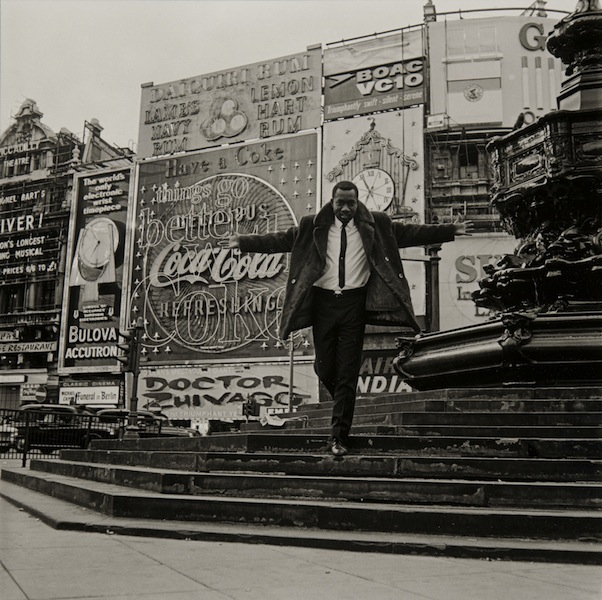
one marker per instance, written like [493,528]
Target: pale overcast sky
[85,59]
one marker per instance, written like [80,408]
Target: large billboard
[107,393]
[200,300]
[218,391]
[96,253]
[277,97]
[29,239]
[373,75]
[384,156]
[461,268]
[489,71]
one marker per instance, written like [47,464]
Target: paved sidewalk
[39,562]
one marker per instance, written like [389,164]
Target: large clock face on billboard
[201,300]
[375,188]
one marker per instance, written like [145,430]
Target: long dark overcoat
[388,299]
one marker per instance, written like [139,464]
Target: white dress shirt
[357,270]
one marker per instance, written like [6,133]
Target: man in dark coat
[345,272]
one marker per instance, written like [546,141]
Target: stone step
[368,444]
[497,393]
[390,414]
[375,414]
[324,409]
[356,489]
[381,465]
[118,501]
[471,431]
[466,431]
[530,392]
[538,406]
[487,397]
[503,419]
[65,516]
[495,421]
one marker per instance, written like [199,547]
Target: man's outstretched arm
[268,242]
[464,227]
[410,234]
[234,241]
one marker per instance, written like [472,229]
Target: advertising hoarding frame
[385,168]
[103,245]
[217,391]
[256,101]
[375,74]
[197,166]
[29,246]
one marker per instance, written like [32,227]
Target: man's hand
[233,241]
[464,227]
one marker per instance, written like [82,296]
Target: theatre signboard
[29,237]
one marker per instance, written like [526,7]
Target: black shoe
[337,448]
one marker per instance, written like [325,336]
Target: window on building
[12,298]
[55,198]
[8,361]
[472,41]
[37,161]
[36,360]
[468,161]
[45,294]
[23,165]
[487,39]
[442,165]
[41,295]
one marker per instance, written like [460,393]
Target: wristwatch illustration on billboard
[376,188]
[94,257]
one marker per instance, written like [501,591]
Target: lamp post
[432,287]
[133,367]
[292,346]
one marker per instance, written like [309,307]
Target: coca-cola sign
[200,299]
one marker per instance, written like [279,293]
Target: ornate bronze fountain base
[516,349]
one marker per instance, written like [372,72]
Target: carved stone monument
[548,294]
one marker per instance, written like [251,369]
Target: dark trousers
[338,330]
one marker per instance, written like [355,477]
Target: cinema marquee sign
[200,299]
[261,100]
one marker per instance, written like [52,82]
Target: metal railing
[27,433]
[45,429]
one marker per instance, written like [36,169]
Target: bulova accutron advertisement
[93,295]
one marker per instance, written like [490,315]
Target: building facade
[37,167]
[487,77]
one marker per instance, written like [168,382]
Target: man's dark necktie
[342,257]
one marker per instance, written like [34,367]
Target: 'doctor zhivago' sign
[200,299]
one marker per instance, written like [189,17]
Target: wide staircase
[512,473]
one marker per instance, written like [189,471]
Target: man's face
[344,204]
